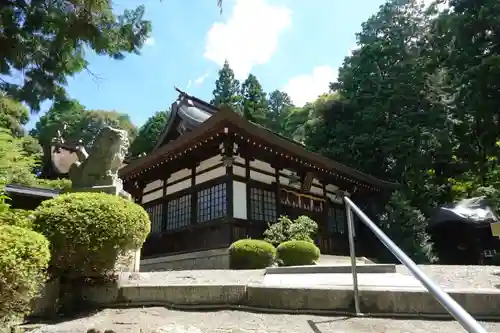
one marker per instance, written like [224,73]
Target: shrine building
[214,178]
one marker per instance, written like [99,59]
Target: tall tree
[38,54]
[13,115]
[227,88]
[279,106]
[254,102]
[468,40]
[149,133]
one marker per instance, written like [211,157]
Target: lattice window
[263,205]
[179,212]
[212,203]
[337,221]
[155,216]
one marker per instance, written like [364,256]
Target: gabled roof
[188,112]
[225,117]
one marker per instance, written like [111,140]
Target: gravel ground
[445,276]
[161,320]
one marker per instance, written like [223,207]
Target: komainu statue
[98,169]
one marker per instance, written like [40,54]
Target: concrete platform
[332,269]
[342,279]
[387,294]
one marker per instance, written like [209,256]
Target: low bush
[297,253]
[89,231]
[251,254]
[24,257]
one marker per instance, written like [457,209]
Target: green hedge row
[258,254]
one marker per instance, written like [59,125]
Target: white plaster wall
[208,163]
[260,177]
[179,186]
[261,165]
[239,159]
[209,175]
[239,171]
[240,200]
[153,185]
[152,196]
[179,175]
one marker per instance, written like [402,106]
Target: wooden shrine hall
[214,178]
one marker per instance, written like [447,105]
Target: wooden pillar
[228,162]
[194,197]
[164,218]
[326,210]
[278,192]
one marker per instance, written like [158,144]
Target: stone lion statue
[99,168]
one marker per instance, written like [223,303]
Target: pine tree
[280,104]
[254,100]
[227,88]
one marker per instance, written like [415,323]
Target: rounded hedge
[89,231]
[251,254]
[297,253]
[24,257]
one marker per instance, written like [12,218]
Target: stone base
[129,262]
[209,259]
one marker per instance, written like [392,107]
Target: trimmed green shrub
[297,253]
[24,257]
[17,217]
[251,254]
[89,231]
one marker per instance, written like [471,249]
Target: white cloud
[307,87]
[189,84]
[150,41]
[249,36]
[199,81]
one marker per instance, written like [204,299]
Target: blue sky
[293,45]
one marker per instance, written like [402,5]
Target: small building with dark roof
[25,197]
[214,178]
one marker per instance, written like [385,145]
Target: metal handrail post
[453,308]
[352,252]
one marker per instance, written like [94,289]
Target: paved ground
[160,320]
[445,276]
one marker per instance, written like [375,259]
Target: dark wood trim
[165,204]
[194,197]
[278,188]
[247,187]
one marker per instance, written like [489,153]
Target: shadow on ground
[314,324]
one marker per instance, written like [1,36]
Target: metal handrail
[453,308]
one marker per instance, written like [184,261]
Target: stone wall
[209,259]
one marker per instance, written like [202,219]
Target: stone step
[332,269]
[378,296]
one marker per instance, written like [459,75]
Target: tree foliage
[301,229]
[254,102]
[227,88]
[38,53]
[149,133]
[13,115]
